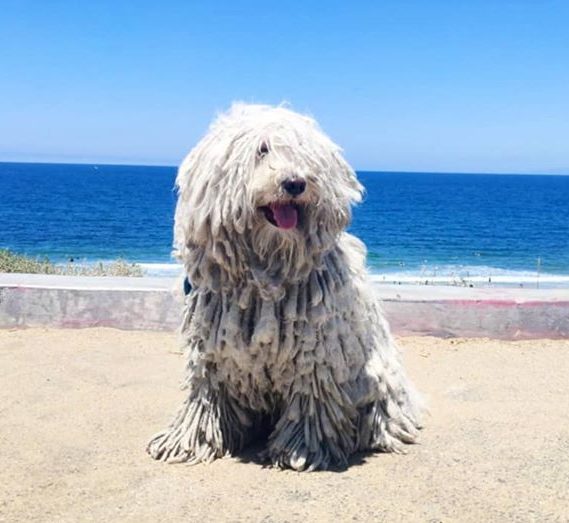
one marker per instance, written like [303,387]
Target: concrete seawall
[28,300]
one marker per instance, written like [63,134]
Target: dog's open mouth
[282,215]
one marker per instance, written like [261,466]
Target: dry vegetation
[12,262]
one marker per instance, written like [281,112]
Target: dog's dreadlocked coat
[281,323]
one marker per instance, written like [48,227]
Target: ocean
[419,227]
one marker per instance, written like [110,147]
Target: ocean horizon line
[545,172]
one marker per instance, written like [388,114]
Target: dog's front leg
[317,428]
[209,425]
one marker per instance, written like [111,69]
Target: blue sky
[467,86]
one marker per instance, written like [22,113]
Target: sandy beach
[77,407]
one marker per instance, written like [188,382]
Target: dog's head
[264,181]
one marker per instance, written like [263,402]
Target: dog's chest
[261,348]
[261,359]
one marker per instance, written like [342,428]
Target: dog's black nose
[294,187]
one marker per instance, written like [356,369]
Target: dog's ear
[346,186]
[211,211]
[354,190]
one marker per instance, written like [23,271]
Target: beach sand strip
[78,406]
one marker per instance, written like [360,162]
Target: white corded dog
[281,326]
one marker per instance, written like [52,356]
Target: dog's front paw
[312,434]
[301,446]
[300,458]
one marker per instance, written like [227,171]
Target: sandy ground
[77,407]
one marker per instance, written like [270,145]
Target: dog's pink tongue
[285,215]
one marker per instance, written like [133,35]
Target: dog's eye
[263,149]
